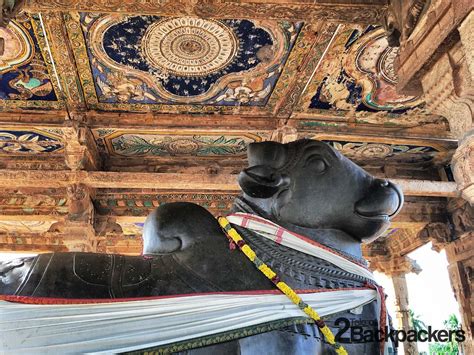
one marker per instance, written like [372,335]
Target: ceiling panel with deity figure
[356,81]
[26,71]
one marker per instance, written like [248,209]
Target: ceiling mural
[377,148]
[137,62]
[9,227]
[166,144]
[25,72]
[29,141]
[357,77]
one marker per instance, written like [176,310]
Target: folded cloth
[65,326]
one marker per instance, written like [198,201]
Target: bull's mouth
[375,217]
[382,205]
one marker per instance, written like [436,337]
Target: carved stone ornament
[463,168]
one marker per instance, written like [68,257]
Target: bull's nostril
[383,199]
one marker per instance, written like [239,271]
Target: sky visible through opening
[430,293]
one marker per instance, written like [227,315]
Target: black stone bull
[304,186]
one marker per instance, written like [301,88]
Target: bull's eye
[316,164]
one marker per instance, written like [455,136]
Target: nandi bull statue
[256,282]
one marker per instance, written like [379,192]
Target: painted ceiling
[194,144]
[356,75]
[25,71]
[29,141]
[150,60]
[190,65]
[122,143]
[322,75]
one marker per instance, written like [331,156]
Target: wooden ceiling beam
[177,181]
[344,11]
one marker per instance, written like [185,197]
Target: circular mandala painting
[188,46]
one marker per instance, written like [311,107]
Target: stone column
[449,91]
[402,310]
[396,267]
[459,253]
[438,57]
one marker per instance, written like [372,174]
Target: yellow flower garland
[283,287]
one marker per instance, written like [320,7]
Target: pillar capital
[463,167]
[440,235]
[394,265]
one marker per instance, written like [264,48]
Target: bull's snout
[383,199]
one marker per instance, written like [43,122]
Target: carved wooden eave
[365,11]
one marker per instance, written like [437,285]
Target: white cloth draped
[132,325]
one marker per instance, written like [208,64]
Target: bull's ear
[262,181]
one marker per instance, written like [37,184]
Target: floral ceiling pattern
[380,148]
[149,60]
[25,72]
[166,144]
[29,142]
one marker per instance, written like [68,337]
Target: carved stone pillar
[402,310]
[449,92]
[396,267]
[436,59]
[461,265]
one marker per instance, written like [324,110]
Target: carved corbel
[391,265]
[81,149]
[107,225]
[284,134]
[78,226]
[401,19]
[462,216]
[440,235]
[448,91]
